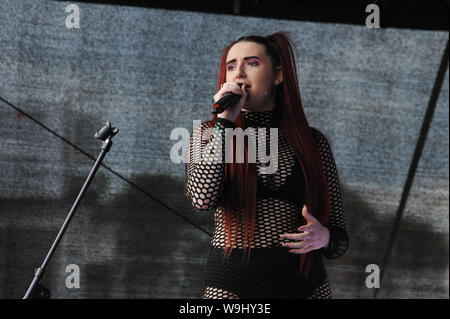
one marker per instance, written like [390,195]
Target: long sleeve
[339,240]
[206,165]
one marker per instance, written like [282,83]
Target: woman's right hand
[232,112]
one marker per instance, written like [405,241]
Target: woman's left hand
[314,235]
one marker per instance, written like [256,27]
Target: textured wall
[149,71]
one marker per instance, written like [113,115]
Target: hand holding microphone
[229,100]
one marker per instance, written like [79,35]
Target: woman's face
[248,63]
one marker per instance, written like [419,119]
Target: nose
[240,72]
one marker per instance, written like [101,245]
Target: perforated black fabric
[280,197]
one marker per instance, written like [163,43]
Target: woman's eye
[231,67]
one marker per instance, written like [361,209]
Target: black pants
[271,273]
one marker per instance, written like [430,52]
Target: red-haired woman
[282,222]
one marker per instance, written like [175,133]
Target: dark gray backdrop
[149,71]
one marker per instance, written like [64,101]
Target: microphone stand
[35,290]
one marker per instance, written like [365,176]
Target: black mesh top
[280,196]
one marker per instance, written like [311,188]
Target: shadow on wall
[418,263]
[132,247]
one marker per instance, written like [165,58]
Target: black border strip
[420,15]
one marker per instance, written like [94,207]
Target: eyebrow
[245,59]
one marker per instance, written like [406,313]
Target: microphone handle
[228,100]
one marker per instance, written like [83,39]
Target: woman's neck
[267,108]
[268,105]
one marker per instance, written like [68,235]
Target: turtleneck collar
[260,119]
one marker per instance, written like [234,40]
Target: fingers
[297,244]
[244,91]
[304,242]
[236,89]
[231,87]
[297,236]
[307,227]
[225,88]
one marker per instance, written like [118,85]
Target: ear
[278,76]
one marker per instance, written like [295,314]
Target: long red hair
[239,205]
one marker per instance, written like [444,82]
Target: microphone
[226,101]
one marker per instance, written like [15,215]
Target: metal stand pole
[105,134]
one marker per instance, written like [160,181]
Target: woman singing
[270,230]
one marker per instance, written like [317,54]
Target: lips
[246,85]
